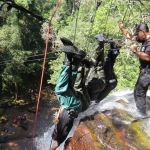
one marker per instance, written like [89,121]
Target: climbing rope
[143,6]
[76,22]
[123,18]
[108,15]
[98,3]
[43,67]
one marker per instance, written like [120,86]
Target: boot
[99,51]
[66,42]
[70,49]
[74,55]
[114,52]
[76,62]
[100,38]
[115,46]
[68,59]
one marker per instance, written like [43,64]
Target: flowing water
[121,111]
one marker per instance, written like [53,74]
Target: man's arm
[140,54]
[143,55]
[126,33]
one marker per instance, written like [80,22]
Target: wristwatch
[134,51]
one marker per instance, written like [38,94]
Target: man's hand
[133,47]
[121,26]
[126,33]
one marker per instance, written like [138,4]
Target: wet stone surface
[17,125]
[112,127]
[104,126]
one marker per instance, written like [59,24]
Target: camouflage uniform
[111,79]
[72,92]
[81,88]
[90,78]
[95,82]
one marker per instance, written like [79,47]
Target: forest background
[23,39]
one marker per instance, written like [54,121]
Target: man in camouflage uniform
[96,78]
[66,95]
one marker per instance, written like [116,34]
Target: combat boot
[99,50]
[70,49]
[74,56]
[65,41]
[100,38]
[114,46]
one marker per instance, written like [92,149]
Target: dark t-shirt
[146,49]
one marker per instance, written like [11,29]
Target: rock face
[115,124]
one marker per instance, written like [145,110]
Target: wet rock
[33,109]
[21,101]
[1,110]
[2,139]
[111,126]
[3,119]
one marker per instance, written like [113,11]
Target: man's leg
[80,87]
[96,77]
[65,93]
[111,80]
[64,89]
[140,91]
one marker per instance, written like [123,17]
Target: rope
[143,6]
[47,39]
[107,15]
[90,31]
[24,60]
[123,19]
[76,23]
[33,60]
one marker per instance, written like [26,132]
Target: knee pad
[111,84]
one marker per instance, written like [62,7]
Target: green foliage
[127,70]
[79,29]
[55,67]
[20,38]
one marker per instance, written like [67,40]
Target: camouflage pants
[81,88]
